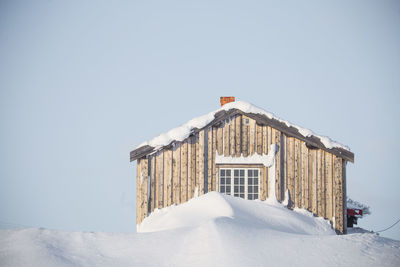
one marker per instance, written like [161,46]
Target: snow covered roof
[240,107]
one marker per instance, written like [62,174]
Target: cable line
[388,227]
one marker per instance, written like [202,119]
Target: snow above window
[264,159]
[182,132]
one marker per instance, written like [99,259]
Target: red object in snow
[355,212]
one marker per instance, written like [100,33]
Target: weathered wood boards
[152,183]
[167,177]
[144,188]
[176,174]
[304,177]
[201,159]
[314,178]
[184,172]
[290,167]
[339,198]
[159,179]
[297,173]
[138,193]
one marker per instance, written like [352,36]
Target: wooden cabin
[243,151]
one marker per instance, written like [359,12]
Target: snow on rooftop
[182,132]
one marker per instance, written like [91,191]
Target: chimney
[226,99]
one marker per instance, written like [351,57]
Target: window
[238,182]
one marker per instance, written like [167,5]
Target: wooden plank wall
[304,177]
[338,195]
[315,179]
[144,188]
[159,181]
[167,167]
[176,174]
[184,172]
[138,193]
[152,184]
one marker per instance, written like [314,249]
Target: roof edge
[311,141]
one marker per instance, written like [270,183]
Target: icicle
[272,195]
[286,200]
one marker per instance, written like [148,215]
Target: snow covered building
[244,151]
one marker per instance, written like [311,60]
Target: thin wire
[388,227]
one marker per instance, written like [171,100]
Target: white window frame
[245,180]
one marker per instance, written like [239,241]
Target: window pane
[228,173]
[222,189]
[242,195]
[255,181]
[250,173]
[228,181]
[241,173]
[236,173]
[255,189]
[222,172]
[250,189]
[255,173]
[241,180]
[222,180]
[228,189]
[255,196]
[250,181]
[250,197]
[236,188]
[236,181]
[241,189]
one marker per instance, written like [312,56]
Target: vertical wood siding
[338,196]
[304,177]
[190,168]
[209,157]
[167,177]
[297,173]
[160,179]
[138,193]
[201,158]
[184,171]
[315,179]
[290,167]
[214,181]
[144,188]
[152,183]
[176,174]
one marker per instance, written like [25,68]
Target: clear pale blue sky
[83,82]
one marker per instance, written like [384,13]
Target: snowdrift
[211,230]
[226,210]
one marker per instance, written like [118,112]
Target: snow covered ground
[211,230]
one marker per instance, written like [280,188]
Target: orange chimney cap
[226,99]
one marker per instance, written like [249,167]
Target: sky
[82,83]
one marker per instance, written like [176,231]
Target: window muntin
[252,184]
[225,181]
[239,182]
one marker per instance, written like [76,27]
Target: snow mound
[226,210]
[182,132]
[210,230]
[190,214]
